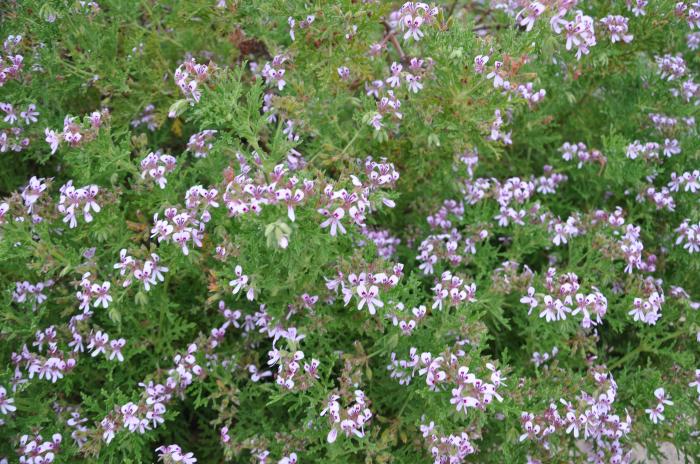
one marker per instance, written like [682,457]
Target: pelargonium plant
[349,232]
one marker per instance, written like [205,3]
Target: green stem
[357,133]
[644,348]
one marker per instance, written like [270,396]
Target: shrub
[353,231]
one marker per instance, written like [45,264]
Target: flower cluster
[650,150]
[289,374]
[149,412]
[656,413]
[452,246]
[74,133]
[273,73]
[412,77]
[454,290]
[365,287]
[172,454]
[590,417]
[446,372]
[182,228]
[579,32]
[34,450]
[90,290]
[562,294]
[244,194]
[189,77]
[689,12]
[689,236]
[14,138]
[156,165]
[99,343]
[149,272]
[53,366]
[303,24]
[580,152]
[25,291]
[11,63]
[690,181]
[350,420]
[383,240]
[411,17]
[198,200]
[200,144]
[75,200]
[147,118]
[453,448]
[648,308]
[617,28]
[671,67]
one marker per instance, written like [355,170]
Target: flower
[480,63]
[660,395]
[369,297]
[333,220]
[530,299]
[6,404]
[116,347]
[617,28]
[241,283]
[102,292]
[530,14]
[53,139]
[655,414]
[291,459]
[173,454]
[344,73]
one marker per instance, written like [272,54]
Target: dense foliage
[354,231]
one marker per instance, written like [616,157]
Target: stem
[392,38]
[354,137]
[636,352]
[452,9]
[397,47]
[405,403]
[644,348]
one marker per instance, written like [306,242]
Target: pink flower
[98,343]
[530,299]
[660,395]
[480,63]
[344,73]
[173,453]
[116,346]
[655,414]
[240,282]
[369,297]
[291,459]
[103,296]
[6,405]
[333,220]
[53,139]
[530,14]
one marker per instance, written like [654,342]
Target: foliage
[352,231]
